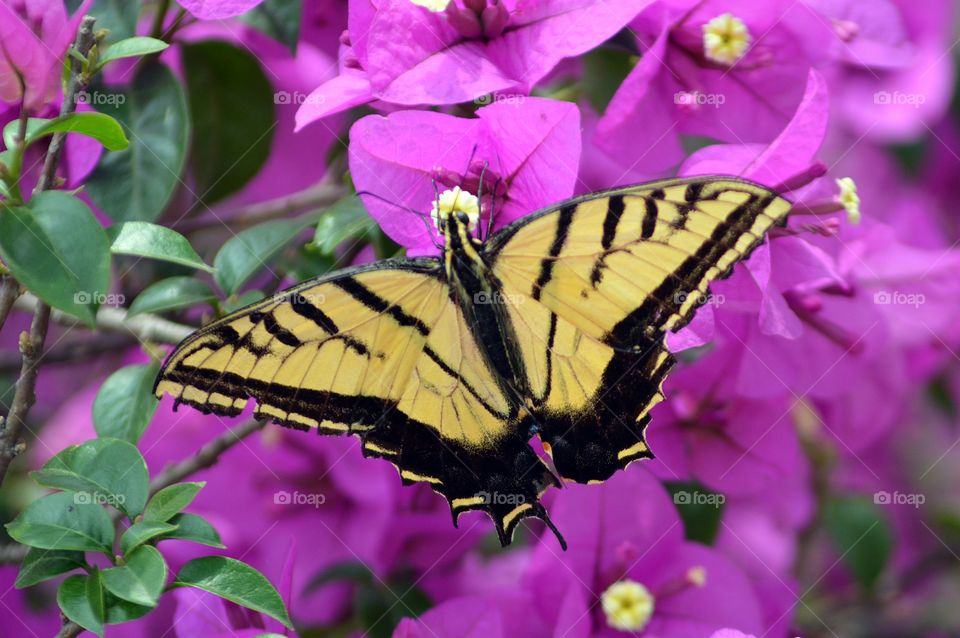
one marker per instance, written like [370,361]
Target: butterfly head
[455,213]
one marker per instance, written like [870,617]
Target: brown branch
[31,345]
[323,193]
[206,457]
[9,291]
[71,351]
[144,327]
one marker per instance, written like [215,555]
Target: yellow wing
[381,352]
[597,282]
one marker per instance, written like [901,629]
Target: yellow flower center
[628,605]
[433,5]
[453,201]
[697,576]
[849,199]
[726,39]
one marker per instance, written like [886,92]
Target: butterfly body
[448,366]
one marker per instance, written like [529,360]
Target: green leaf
[346,219]
[232,103]
[171,294]
[81,599]
[99,126]
[140,580]
[279,19]
[191,527]
[236,302]
[55,249]
[249,251]
[62,521]
[139,533]
[137,183]
[170,501]
[121,611]
[700,509]
[43,564]
[380,609]
[350,571]
[105,470]
[125,403]
[131,48]
[12,130]
[236,582]
[144,239]
[862,536]
[117,16]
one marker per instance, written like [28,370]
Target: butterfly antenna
[483,171]
[493,206]
[406,209]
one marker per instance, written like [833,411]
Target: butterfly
[552,327]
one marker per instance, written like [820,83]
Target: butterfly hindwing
[603,278]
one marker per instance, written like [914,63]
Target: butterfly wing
[602,279]
[381,352]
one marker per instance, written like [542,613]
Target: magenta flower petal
[218,9]
[333,96]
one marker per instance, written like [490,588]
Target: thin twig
[145,327]
[31,349]
[9,289]
[78,81]
[206,457]
[78,350]
[318,195]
